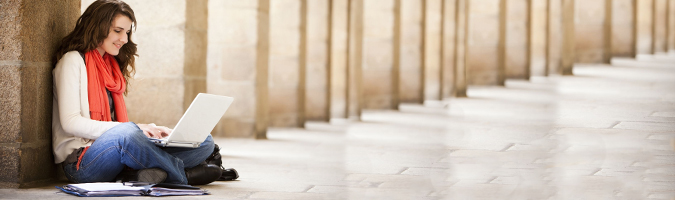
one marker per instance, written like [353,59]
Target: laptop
[197,122]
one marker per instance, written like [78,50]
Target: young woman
[92,136]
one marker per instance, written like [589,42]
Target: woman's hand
[153,131]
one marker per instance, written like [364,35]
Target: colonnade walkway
[608,132]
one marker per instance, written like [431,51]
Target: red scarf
[104,72]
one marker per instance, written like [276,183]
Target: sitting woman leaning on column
[92,136]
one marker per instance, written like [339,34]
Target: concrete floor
[606,133]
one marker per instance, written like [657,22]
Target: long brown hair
[94,26]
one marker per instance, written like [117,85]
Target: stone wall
[231,63]
[157,90]
[30,32]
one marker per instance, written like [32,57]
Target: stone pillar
[622,28]
[516,55]
[284,67]
[590,27]
[501,46]
[355,51]
[30,32]
[339,21]
[377,65]
[315,58]
[607,32]
[196,34]
[461,47]
[396,55]
[237,58]
[262,114]
[568,37]
[411,55]
[448,48]
[483,36]
[660,26]
[644,29]
[431,81]
[554,37]
[671,25]
[538,45]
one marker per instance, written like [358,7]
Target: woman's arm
[67,80]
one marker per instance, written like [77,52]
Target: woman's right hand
[153,131]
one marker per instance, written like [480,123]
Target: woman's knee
[209,143]
[127,131]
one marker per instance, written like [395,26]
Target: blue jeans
[126,145]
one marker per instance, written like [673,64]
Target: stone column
[461,47]
[378,37]
[355,56]
[660,26]
[554,37]
[590,27]
[671,26]
[501,46]
[431,81]
[396,55]
[516,42]
[237,59]
[644,29]
[622,28]
[483,36]
[302,65]
[316,59]
[568,37]
[284,66]
[262,111]
[339,21]
[411,30]
[538,45]
[448,48]
[30,32]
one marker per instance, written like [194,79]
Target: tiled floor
[606,133]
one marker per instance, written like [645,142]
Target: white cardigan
[72,125]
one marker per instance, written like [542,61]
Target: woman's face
[117,37]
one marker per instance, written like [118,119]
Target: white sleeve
[67,82]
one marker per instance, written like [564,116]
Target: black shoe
[203,174]
[150,175]
[215,157]
[229,174]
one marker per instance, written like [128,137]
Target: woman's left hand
[154,131]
